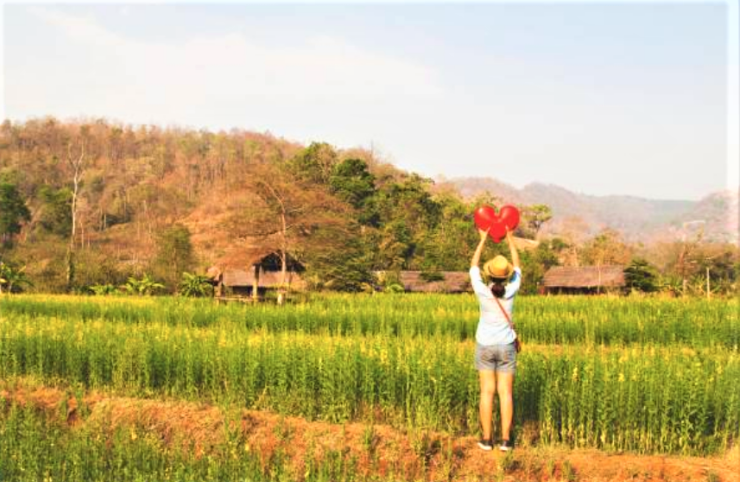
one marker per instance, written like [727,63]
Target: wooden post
[709,295]
[219,291]
[256,283]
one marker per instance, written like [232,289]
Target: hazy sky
[597,98]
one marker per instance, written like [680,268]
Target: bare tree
[76,158]
[605,249]
[687,249]
[287,211]
[574,231]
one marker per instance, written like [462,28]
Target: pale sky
[597,98]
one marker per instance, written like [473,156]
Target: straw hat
[498,268]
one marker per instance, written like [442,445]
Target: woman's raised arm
[512,248]
[476,256]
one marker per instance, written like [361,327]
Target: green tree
[13,211]
[56,211]
[537,262]
[448,245]
[641,276]
[534,217]
[346,266]
[407,213]
[95,267]
[352,182]
[395,246]
[606,248]
[315,163]
[174,254]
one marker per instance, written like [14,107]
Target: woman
[495,351]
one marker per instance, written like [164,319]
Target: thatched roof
[239,256]
[453,282]
[244,261]
[584,277]
[268,279]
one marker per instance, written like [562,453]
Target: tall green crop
[645,398]
[547,320]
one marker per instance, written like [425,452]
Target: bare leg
[505,385]
[487,391]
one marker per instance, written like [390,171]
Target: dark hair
[497,288]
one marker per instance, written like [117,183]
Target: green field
[643,375]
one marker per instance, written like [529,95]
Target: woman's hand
[483,234]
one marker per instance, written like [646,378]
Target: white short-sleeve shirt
[493,329]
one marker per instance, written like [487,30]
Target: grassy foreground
[605,377]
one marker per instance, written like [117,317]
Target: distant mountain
[638,219]
[718,212]
[470,187]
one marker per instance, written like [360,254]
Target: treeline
[96,204]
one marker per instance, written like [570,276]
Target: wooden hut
[262,275]
[584,279]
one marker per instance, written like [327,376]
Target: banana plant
[146,286]
[103,290]
[12,277]
[195,285]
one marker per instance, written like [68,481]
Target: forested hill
[92,203]
[118,200]
[638,219]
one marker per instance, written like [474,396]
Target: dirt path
[378,450]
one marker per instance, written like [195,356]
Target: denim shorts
[499,358]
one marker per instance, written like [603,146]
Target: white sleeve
[479,286]
[514,284]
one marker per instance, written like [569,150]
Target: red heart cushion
[486,219]
[498,230]
[510,217]
[484,216]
